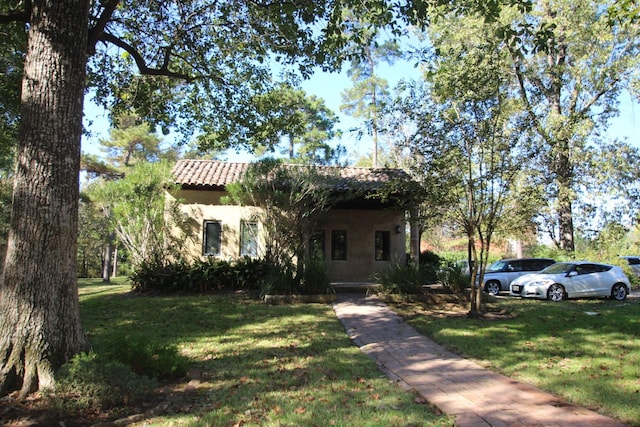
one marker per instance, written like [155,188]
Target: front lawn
[252,364]
[585,351]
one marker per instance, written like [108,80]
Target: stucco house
[357,237]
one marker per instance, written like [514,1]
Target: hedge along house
[361,233]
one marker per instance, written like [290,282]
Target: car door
[585,281]
[514,269]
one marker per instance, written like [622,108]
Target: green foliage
[131,141]
[315,279]
[90,382]
[304,120]
[135,206]
[292,199]
[6,191]
[429,265]
[148,358]
[217,46]
[407,279]
[607,245]
[199,276]
[288,279]
[281,279]
[243,274]
[155,276]
[401,279]
[452,277]
[553,252]
[93,234]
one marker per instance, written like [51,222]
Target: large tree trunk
[565,217]
[39,316]
[475,307]
[107,258]
[564,178]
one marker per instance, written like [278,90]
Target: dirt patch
[34,411]
[439,302]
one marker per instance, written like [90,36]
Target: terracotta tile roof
[214,175]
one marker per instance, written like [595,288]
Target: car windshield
[497,266]
[558,268]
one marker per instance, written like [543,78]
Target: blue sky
[330,86]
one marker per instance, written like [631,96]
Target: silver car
[499,275]
[634,263]
[573,280]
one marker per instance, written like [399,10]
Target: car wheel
[492,287]
[619,292]
[555,293]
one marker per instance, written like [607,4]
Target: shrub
[211,274]
[453,278]
[157,276]
[401,279]
[280,280]
[316,279]
[200,276]
[92,383]
[148,358]
[429,266]
[247,272]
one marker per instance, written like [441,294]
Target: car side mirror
[572,273]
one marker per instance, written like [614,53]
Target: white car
[573,280]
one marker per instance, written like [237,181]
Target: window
[338,245]
[382,243]
[212,237]
[516,266]
[316,245]
[249,239]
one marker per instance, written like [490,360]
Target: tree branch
[101,23]
[140,62]
[146,70]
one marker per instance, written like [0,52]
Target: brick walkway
[456,386]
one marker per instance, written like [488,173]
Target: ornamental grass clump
[401,279]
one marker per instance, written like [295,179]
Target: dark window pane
[212,238]
[382,243]
[339,244]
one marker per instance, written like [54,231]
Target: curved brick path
[456,386]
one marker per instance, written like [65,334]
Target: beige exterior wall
[203,206]
[360,226]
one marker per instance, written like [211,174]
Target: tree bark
[39,315]
[564,177]
[415,236]
[114,270]
[565,219]
[107,259]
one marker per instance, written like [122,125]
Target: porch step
[353,287]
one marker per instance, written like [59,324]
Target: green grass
[261,365]
[589,360]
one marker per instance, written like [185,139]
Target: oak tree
[569,69]
[189,65]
